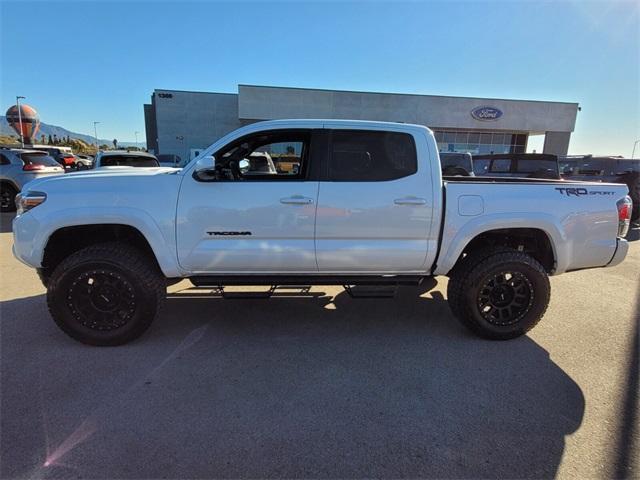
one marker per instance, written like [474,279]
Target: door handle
[296,200]
[410,201]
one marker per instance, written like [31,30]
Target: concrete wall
[256,102]
[187,120]
[556,143]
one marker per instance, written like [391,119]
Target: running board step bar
[304,280]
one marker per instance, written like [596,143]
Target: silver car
[19,166]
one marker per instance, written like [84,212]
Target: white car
[367,205]
[20,166]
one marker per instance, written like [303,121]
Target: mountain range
[46,130]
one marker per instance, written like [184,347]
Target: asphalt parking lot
[322,385]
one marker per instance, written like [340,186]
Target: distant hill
[46,130]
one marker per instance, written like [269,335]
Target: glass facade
[480,142]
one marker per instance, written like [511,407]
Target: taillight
[625,205]
[29,167]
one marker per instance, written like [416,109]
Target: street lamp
[634,148]
[20,118]
[95,132]
[136,133]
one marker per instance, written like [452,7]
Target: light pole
[136,133]
[634,148]
[20,118]
[95,133]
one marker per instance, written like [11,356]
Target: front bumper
[621,252]
[25,244]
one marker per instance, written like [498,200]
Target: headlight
[26,201]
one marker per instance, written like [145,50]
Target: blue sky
[81,62]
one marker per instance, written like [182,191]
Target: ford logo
[486,113]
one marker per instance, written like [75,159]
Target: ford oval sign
[486,113]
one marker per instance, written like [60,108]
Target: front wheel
[499,296]
[105,294]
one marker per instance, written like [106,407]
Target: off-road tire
[8,198]
[115,276]
[472,274]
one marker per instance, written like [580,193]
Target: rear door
[375,205]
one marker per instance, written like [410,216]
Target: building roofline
[404,94]
[191,91]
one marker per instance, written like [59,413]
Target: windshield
[38,158]
[128,161]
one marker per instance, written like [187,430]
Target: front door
[253,213]
[375,207]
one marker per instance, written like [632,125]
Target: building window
[480,143]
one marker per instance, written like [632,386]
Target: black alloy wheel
[505,298]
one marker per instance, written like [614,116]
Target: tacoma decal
[579,191]
[228,234]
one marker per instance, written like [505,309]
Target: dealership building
[183,123]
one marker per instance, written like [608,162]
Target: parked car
[123,158]
[19,166]
[367,206]
[519,165]
[258,163]
[605,169]
[456,164]
[84,162]
[63,155]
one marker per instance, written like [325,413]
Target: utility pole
[20,118]
[634,148]
[95,133]
[136,133]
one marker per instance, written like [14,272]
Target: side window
[279,155]
[4,160]
[371,156]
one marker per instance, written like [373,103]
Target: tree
[115,143]
[42,139]
[50,141]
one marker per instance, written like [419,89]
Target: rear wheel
[501,295]
[7,198]
[106,294]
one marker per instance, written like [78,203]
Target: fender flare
[505,221]
[163,248]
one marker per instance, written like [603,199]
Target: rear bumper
[621,252]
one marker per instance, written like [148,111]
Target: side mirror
[205,169]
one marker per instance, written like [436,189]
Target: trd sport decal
[578,192]
[228,234]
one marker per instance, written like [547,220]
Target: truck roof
[319,122]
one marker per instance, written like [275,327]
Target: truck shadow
[310,386]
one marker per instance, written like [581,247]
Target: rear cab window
[371,156]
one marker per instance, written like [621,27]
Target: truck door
[375,204]
[255,212]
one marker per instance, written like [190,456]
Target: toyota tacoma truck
[366,205]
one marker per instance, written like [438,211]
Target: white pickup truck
[349,203]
